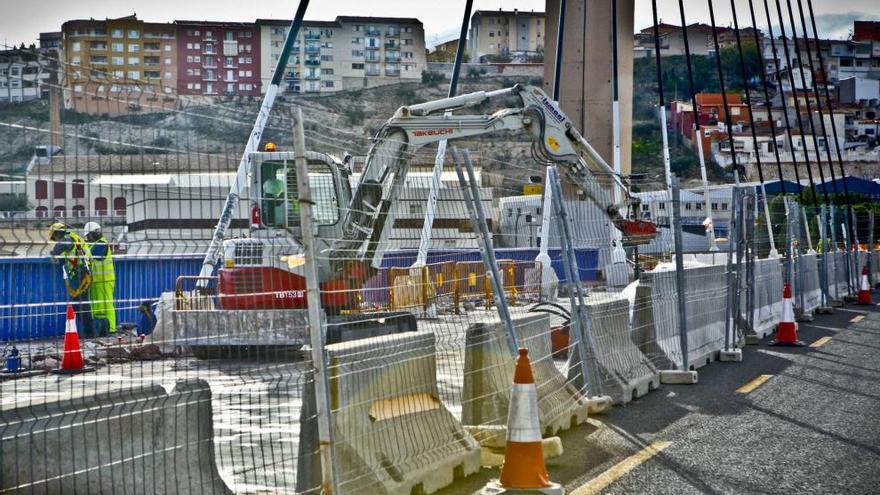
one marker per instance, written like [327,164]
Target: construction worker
[103,279]
[73,252]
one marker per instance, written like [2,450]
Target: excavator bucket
[638,232]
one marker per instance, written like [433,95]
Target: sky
[21,23]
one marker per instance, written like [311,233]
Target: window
[357,41]
[134,33]
[117,47]
[119,205]
[59,211]
[687,206]
[358,28]
[714,206]
[723,206]
[661,206]
[198,59]
[357,53]
[73,60]
[327,58]
[74,47]
[133,60]
[326,72]
[117,33]
[189,59]
[134,74]
[79,211]
[328,84]
[132,48]
[699,206]
[197,46]
[78,190]
[59,190]
[41,189]
[167,48]
[357,66]
[189,46]
[491,34]
[42,212]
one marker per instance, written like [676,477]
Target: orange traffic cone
[786,330]
[864,288]
[72,358]
[523,468]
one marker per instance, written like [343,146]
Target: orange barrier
[471,282]
[410,288]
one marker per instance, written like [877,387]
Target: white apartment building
[346,53]
[506,33]
[24,74]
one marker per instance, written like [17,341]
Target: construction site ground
[810,427]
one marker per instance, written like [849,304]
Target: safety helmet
[91,227]
[57,227]
[270,147]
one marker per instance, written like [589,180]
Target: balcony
[313,49]
[313,61]
[152,47]
[209,65]
[392,45]
[392,57]
[312,36]
[209,78]
[373,32]
[311,76]
[392,33]
[372,47]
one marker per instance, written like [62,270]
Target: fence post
[731,315]
[487,250]
[684,375]
[750,234]
[847,246]
[834,249]
[870,261]
[316,317]
[581,327]
[825,307]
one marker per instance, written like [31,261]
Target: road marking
[821,342]
[857,319]
[602,481]
[752,385]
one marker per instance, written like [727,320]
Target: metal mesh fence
[216,378]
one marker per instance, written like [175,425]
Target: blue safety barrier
[33,298]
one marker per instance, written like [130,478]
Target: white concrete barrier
[768,296]
[392,434]
[626,373]
[655,316]
[488,375]
[809,278]
[140,440]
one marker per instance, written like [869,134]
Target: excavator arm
[554,141]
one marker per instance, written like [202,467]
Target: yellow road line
[857,319]
[752,385]
[602,481]
[820,342]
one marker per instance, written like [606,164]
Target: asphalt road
[812,427]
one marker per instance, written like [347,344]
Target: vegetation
[432,78]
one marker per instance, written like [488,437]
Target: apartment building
[346,53]
[506,33]
[700,40]
[25,74]
[218,58]
[119,66]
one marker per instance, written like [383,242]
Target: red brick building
[866,31]
[218,58]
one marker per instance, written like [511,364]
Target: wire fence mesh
[211,378]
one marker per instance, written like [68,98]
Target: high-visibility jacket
[103,282]
[77,267]
[102,266]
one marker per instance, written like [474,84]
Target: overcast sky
[21,21]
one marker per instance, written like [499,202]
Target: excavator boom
[554,141]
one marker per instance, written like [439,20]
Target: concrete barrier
[140,440]
[812,291]
[488,376]
[655,316]
[768,296]
[392,434]
[625,372]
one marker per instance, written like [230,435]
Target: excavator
[263,273]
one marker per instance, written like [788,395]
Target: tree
[432,78]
